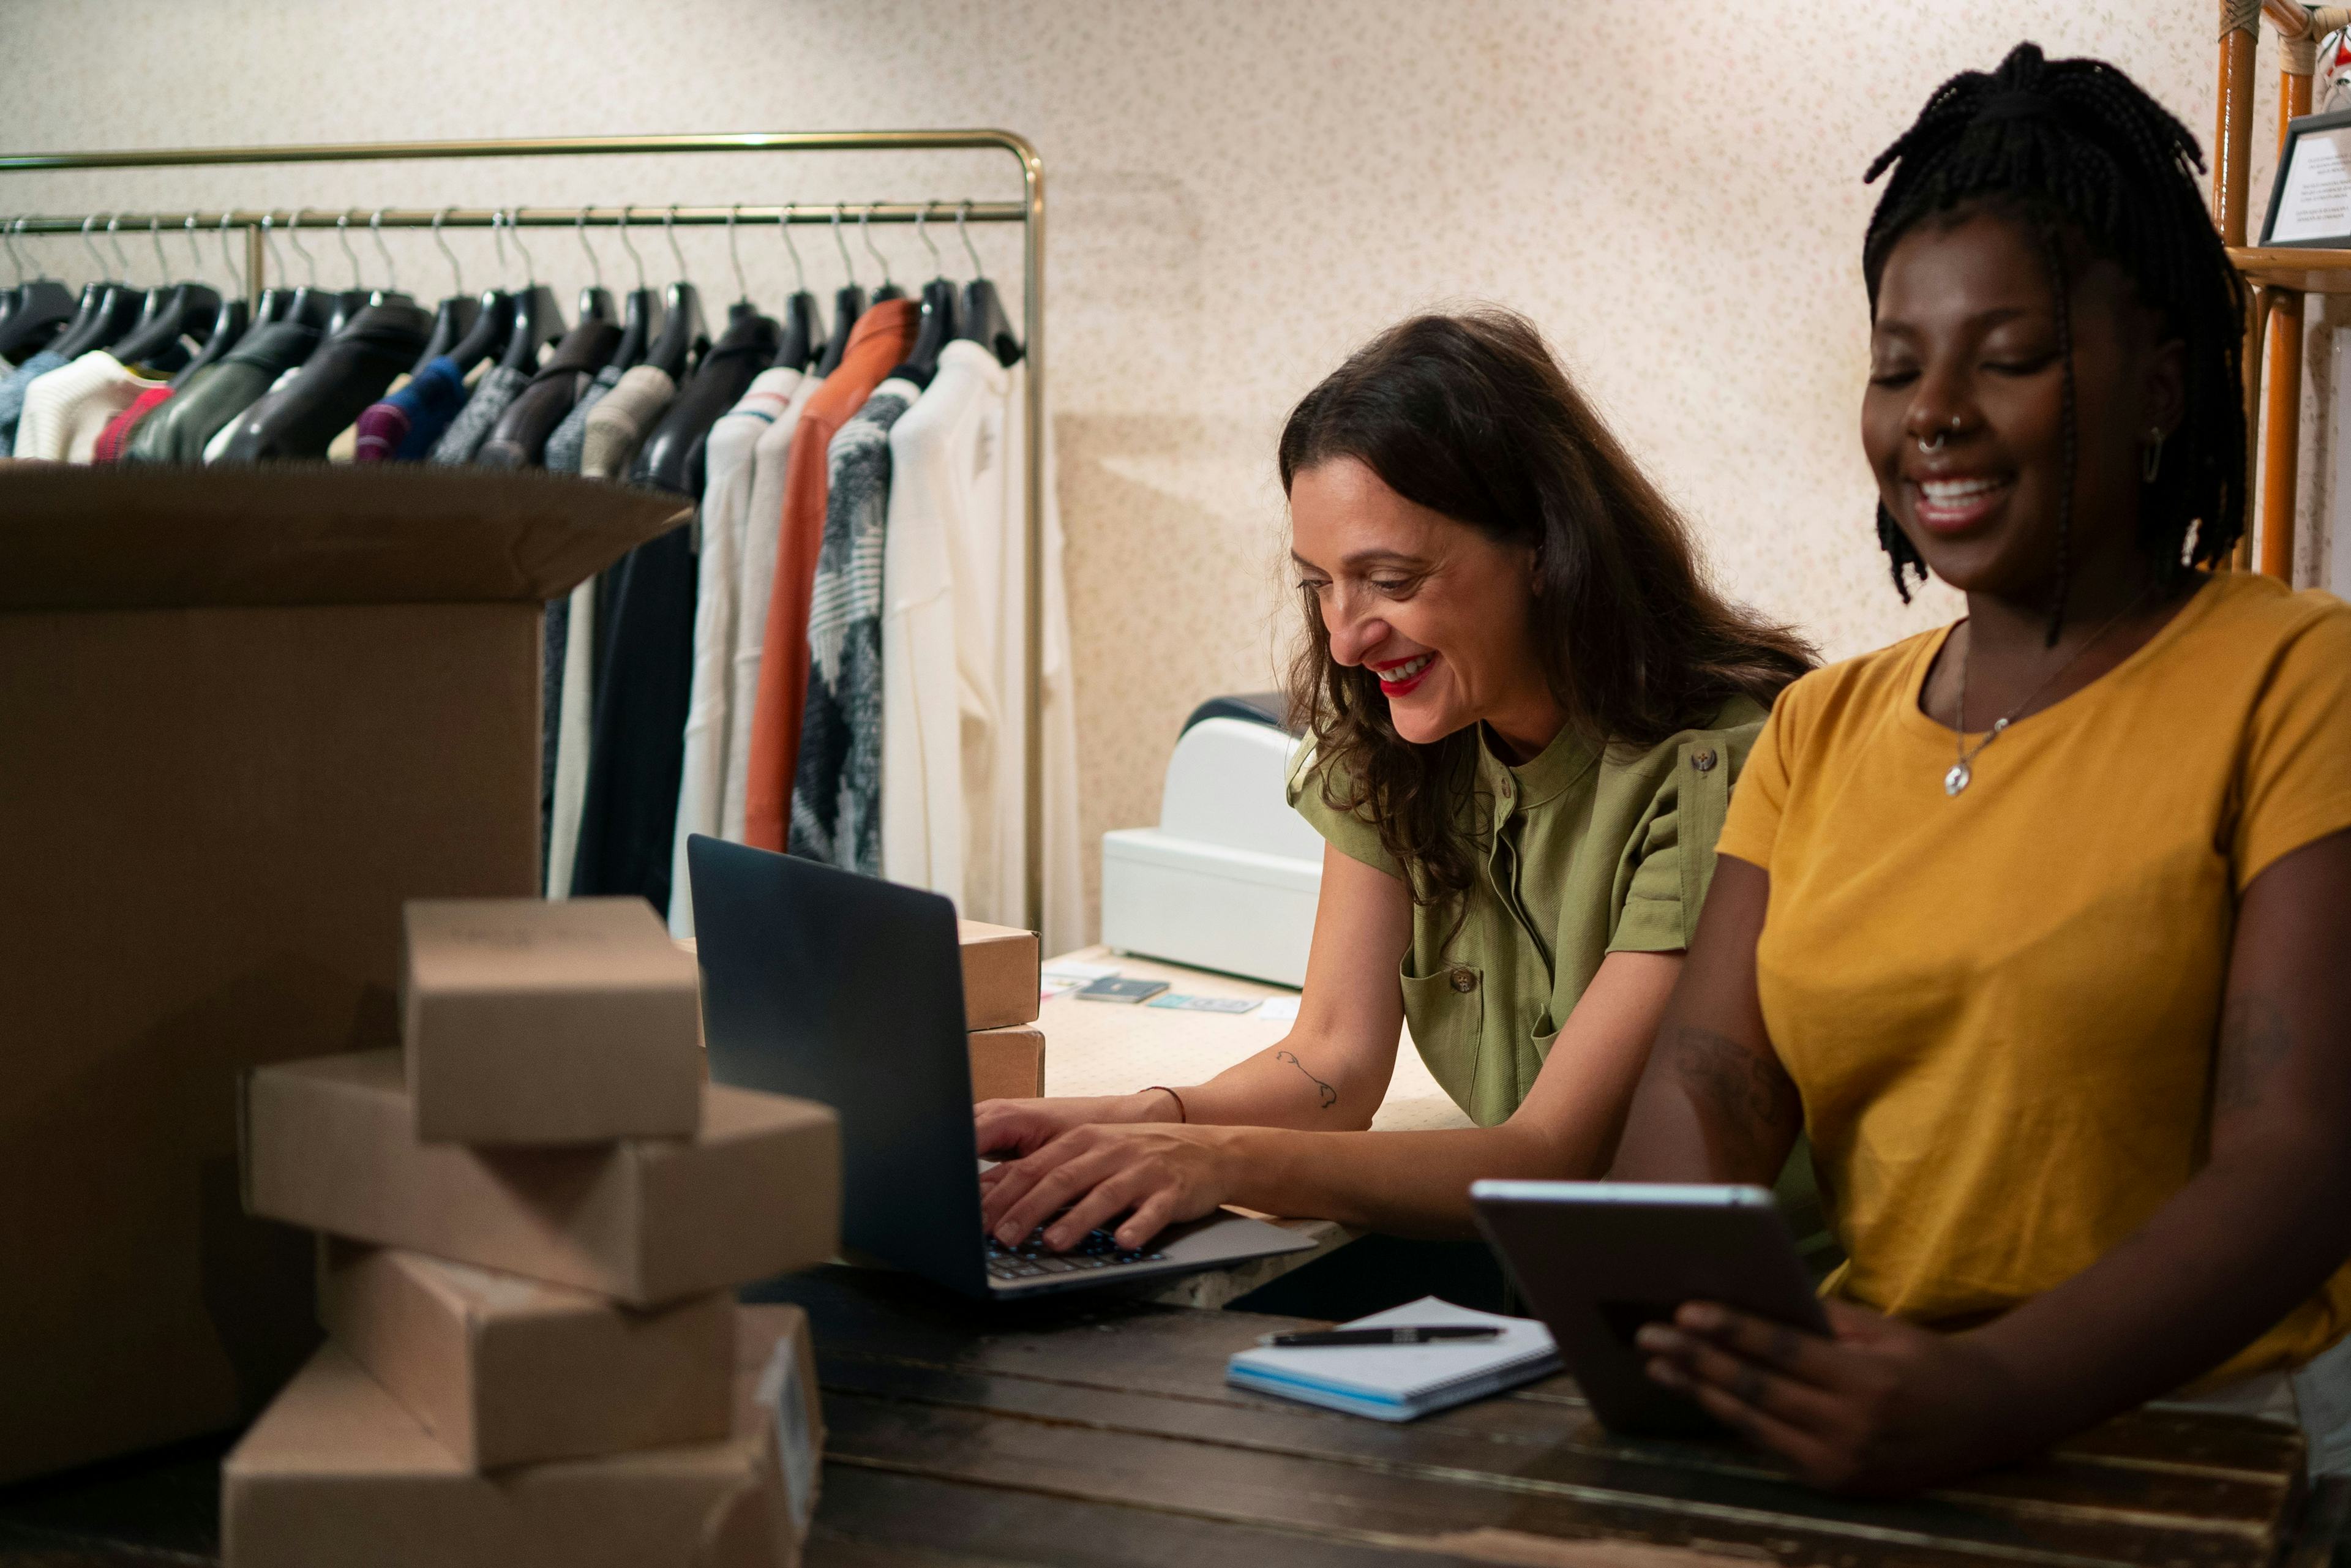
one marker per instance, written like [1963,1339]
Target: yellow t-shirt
[2000,1007]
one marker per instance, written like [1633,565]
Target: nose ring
[1936,444]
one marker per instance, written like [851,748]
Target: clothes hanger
[682,333]
[493,325]
[742,306]
[111,314]
[848,304]
[595,299]
[984,320]
[310,305]
[939,315]
[233,319]
[642,311]
[888,290]
[797,346]
[538,316]
[41,309]
[360,297]
[184,310]
[456,315]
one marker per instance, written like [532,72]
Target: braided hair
[2080,154]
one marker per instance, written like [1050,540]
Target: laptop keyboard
[1031,1258]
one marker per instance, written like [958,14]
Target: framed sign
[2310,200]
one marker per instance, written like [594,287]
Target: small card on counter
[1110,988]
[1279,1010]
[1182,1003]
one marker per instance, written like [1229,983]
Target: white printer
[1229,878]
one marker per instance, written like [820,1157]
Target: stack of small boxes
[533,1219]
[1001,996]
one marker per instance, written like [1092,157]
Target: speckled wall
[1239,192]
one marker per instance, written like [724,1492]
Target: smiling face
[1442,615]
[1964,358]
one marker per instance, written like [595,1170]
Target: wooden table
[1072,1434]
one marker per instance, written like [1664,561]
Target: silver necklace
[1961,773]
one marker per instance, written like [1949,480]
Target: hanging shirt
[938,667]
[350,372]
[753,592]
[11,393]
[614,430]
[116,437]
[565,444]
[518,440]
[66,411]
[473,422]
[2000,1008]
[837,792]
[879,340]
[725,511]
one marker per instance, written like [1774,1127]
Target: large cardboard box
[247,713]
[999,975]
[504,1370]
[1006,1064]
[532,1022]
[338,1472]
[330,1145]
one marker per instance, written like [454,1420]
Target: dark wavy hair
[1471,416]
[2089,165]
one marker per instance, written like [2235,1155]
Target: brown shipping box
[248,713]
[331,1144]
[338,1472]
[532,1022]
[502,1369]
[999,975]
[1006,1064]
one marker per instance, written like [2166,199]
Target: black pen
[1410,1335]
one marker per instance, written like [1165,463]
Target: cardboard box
[331,1144]
[248,711]
[1006,1064]
[338,1472]
[502,1369]
[533,1023]
[999,975]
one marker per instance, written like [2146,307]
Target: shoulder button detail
[1703,759]
[1464,979]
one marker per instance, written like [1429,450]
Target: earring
[2150,461]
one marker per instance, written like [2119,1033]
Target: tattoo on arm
[1747,1100]
[2254,1041]
[1330,1095]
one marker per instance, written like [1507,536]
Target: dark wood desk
[1076,1435]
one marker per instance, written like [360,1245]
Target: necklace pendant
[1957,778]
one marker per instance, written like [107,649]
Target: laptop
[848,990]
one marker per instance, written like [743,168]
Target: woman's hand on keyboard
[1008,1129]
[1091,1175]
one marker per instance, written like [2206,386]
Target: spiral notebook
[1398,1383]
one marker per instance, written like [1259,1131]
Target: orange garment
[879,340]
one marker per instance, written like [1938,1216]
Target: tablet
[1595,1261]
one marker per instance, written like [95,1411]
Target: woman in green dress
[1527,708]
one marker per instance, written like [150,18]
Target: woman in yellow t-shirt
[2039,925]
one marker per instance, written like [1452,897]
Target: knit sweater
[405,425]
[473,422]
[66,410]
[837,792]
[619,423]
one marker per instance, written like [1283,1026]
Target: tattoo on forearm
[2254,1041]
[1330,1095]
[1750,1099]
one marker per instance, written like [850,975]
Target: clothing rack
[1028,212]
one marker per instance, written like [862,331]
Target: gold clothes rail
[1028,212]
